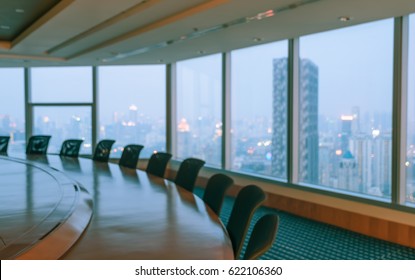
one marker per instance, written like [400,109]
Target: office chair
[246,202]
[158,163]
[262,236]
[103,150]
[215,190]
[4,143]
[71,147]
[130,155]
[38,145]
[187,174]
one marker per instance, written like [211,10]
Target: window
[52,89]
[199,103]
[61,85]
[410,149]
[345,105]
[12,112]
[259,87]
[64,123]
[132,107]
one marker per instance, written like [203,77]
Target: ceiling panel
[17,15]
[95,32]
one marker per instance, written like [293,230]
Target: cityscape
[350,152]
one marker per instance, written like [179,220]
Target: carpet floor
[303,239]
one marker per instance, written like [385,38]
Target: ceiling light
[345,18]
[20,11]
[4,27]
[266,14]
[196,32]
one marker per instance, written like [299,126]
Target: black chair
[262,237]
[158,163]
[71,147]
[215,191]
[38,145]
[103,150]
[187,174]
[4,143]
[246,202]
[130,155]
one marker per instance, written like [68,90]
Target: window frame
[399,112]
[30,106]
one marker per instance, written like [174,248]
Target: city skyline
[354,71]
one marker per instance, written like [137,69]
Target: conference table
[54,207]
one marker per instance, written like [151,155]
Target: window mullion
[400,94]
[293,113]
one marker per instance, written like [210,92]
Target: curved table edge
[61,239]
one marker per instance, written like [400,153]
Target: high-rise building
[308,119]
[279,117]
[346,132]
[356,120]
[348,172]
[373,158]
[308,122]
[184,148]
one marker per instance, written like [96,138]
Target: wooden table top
[137,215]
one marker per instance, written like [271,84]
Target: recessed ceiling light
[345,18]
[20,11]
[197,32]
[4,27]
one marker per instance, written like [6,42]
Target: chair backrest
[246,202]
[158,163]
[187,174]
[71,147]
[103,150]
[38,144]
[215,190]
[130,155]
[262,237]
[4,143]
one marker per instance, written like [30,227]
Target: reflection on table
[140,216]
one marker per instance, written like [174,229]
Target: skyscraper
[279,117]
[308,120]
[348,172]
[346,132]
[184,148]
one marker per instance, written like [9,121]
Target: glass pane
[199,103]
[259,110]
[61,84]
[345,104]
[132,107]
[64,123]
[410,150]
[12,113]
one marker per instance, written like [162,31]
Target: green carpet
[303,239]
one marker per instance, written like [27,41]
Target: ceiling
[103,32]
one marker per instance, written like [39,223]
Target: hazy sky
[142,86]
[199,87]
[355,67]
